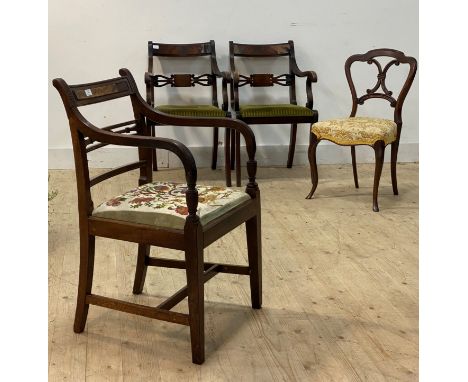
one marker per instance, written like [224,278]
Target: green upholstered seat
[192,110]
[274,110]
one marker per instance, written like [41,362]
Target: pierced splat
[261,80]
[381,77]
[182,80]
[397,59]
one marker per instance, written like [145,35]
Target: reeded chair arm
[142,141]
[311,77]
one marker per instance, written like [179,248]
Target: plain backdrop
[91,40]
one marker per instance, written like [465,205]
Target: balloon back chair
[189,52]
[184,217]
[374,132]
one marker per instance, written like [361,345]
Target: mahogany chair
[290,113]
[152,80]
[375,132]
[178,216]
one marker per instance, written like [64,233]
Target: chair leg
[379,148]
[227,156]
[313,163]
[85,282]
[353,157]
[155,157]
[238,160]
[292,144]
[233,149]
[254,247]
[141,267]
[195,286]
[214,157]
[394,155]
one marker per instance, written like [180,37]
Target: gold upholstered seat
[356,130]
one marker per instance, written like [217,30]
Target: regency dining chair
[188,52]
[186,217]
[375,132]
[289,113]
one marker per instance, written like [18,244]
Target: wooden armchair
[375,132]
[152,80]
[183,217]
[273,113]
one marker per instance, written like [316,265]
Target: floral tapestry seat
[356,130]
[163,204]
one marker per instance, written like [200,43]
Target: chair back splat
[371,57]
[163,214]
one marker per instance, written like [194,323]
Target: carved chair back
[156,49]
[262,79]
[371,57]
[86,137]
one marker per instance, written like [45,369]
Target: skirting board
[108,157]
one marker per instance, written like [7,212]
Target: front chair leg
[227,156]
[292,144]
[85,281]
[195,286]
[141,267]
[353,158]
[154,155]
[254,248]
[379,148]
[238,160]
[214,156]
[233,149]
[393,163]
[313,163]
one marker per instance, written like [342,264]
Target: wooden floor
[340,288]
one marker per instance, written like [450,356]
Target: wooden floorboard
[340,286]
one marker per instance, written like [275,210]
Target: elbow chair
[152,80]
[185,217]
[290,113]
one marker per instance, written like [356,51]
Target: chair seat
[275,110]
[192,110]
[356,130]
[163,204]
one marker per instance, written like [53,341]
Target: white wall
[91,40]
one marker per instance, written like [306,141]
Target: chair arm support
[235,91]
[310,74]
[311,77]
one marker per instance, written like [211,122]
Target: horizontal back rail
[260,50]
[179,50]
[95,92]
